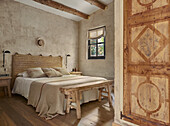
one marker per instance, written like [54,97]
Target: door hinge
[124,116]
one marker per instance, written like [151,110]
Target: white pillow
[23,74]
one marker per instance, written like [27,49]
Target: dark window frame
[97,57]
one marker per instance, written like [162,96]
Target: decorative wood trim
[126,58]
[62,7]
[150,16]
[168,69]
[148,69]
[149,4]
[145,68]
[97,3]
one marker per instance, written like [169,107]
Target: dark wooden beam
[62,7]
[96,3]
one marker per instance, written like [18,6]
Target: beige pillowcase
[50,72]
[35,72]
[62,70]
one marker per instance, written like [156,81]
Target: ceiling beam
[62,7]
[97,3]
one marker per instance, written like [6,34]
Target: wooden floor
[15,112]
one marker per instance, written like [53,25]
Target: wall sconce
[4,52]
[67,55]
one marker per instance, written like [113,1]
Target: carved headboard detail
[21,63]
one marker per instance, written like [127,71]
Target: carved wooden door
[147,62]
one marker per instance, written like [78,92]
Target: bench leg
[100,94]
[68,104]
[108,91]
[78,109]
[109,95]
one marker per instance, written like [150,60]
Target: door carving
[147,62]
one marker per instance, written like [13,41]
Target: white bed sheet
[22,85]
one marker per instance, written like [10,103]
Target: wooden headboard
[21,63]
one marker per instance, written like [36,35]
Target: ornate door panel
[147,62]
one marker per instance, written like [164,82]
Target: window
[96,43]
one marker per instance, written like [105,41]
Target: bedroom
[22,24]
[144,63]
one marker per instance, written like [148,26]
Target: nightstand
[76,73]
[5,82]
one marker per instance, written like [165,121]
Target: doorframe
[118,61]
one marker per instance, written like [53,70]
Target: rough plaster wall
[118,81]
[97,67]
[20,25]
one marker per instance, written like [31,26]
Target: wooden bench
[73,93]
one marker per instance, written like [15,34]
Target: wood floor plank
[5,120]
[31,117]
[17,118]
[14,111]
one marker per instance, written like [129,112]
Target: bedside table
[5,82]
[76,73]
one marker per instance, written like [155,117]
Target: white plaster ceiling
[80,5]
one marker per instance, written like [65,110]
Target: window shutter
[96,33]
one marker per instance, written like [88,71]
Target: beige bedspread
[46,97]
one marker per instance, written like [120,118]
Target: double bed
[44,93]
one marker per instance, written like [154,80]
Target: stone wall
[20,25]
[97,67]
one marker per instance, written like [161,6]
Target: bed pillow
[50,72]
[62,70]
[35,72]
[23,74]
